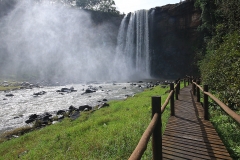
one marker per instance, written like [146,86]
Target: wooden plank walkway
[188,135]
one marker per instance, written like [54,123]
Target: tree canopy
[97,5]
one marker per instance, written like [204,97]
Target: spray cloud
[53,42]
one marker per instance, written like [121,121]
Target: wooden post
[179,83]
[176,92]
[157,133]
[172,99]
[184,82]
[198,91]
[205,103]
[194,87]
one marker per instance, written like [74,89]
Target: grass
[2,88]
[109,133]
[12,85]
[228,130]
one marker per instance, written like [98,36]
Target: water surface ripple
[15,110]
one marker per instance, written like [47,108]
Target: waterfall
[121,36]
[133,42]
[142,42]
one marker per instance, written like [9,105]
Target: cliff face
[173,36]
[173,39]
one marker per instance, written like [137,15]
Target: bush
[221,70]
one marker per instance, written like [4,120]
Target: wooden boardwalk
[188,135]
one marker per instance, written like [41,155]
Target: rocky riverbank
[37,116]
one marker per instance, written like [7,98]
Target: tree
[221,49]
[98,5]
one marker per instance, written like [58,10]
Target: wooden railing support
[194,87]
[176,93]
[184,82]
[179,82]
[155,126]
[198,91]
[157,133]
[205,103]
[172,100]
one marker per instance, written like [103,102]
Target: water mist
[53,42]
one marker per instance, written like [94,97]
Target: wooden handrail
[142,144]
[230,112]
[175,86]
[199,86]
[156,118]
[166,102]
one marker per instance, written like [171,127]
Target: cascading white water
[133,42]
[142,51]
[121,36]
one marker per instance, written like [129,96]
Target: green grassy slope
[108,133]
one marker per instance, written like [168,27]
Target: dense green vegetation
[228,130]
[220,53]
[98,5]
[109,133]
[220,64]
[95,5]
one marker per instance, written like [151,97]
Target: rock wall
[173,39]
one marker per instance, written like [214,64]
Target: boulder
[103,105]
[29,121]
[65,90]
[46,116]
[85,108]
[9,95]
[68,90]
[75,115]
[39,93]
[60,112]
[33,116]
[90,90]
[72,108]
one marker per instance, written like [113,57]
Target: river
[15,110]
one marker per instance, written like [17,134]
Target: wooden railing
[196,91]
[154,129]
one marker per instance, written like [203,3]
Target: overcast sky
[127,6]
